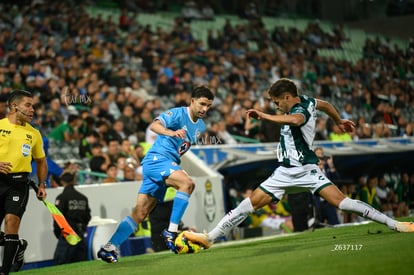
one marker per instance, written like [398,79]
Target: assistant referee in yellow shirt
[20,143]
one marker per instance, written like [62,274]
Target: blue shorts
[155,170]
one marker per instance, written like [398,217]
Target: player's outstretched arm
[293,119]
[344,124]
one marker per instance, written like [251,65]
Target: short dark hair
[17,95]
[282,86]
[202,91]
[93,133]
[67,177]
[72,118]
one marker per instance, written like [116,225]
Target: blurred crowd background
[102,70]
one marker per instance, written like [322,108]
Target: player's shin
[366,211]
[231,220]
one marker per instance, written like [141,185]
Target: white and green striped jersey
[295,147]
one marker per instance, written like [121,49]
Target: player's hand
[252,113]
[346,125]
[5,167]
[181,133]
[41,192]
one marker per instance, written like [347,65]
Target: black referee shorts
[14,194]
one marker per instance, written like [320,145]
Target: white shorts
[294,180]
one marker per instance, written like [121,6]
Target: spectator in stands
[347,112]
[363,129]
[381,130]
[127,150]
[54,113]
[111,174]
[320,128]
[85,146]
[270,131]
[116,131]
[252,126]
[140,151]
[137,91]
[113,150]
[368,191]
[337,135]
[385,196]
[409,130]
[100,160]
[67,131]
[132,170]
[128,120]
[69,60]
[124,20]
[402,195]
[3,105]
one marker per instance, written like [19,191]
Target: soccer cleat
[107,256]
[199,238]
[19,259]
[169,238]
[404,226]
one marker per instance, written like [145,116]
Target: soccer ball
[185,246]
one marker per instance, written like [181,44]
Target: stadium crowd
[98,82]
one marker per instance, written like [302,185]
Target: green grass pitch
[363,249]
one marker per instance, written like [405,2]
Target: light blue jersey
[174,147]
[163,158]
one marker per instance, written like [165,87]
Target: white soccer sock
[366,211]
[231,219]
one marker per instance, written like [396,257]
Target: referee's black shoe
[19,259]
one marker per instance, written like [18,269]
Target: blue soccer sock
[179,206]
[125,228]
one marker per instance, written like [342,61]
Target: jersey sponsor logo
[5,132]
[26,148]
[184,148]
[16,198]
[29,138]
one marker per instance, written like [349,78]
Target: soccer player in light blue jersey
[298,169]
[177,129]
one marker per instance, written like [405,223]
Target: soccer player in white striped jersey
[298,169]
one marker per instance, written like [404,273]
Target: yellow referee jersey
[19,144]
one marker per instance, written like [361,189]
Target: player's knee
[188,186]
